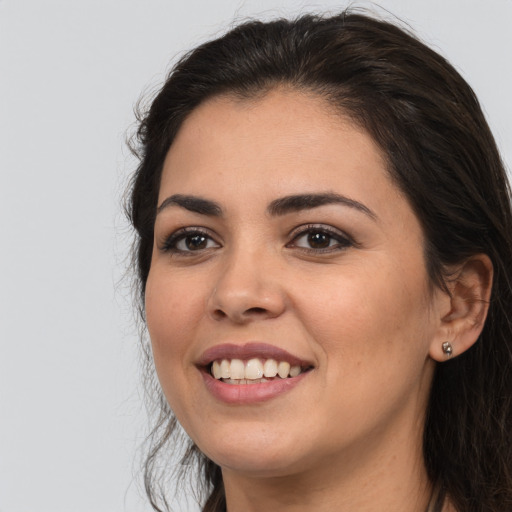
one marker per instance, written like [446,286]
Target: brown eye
[195,242]
[319,240]
[189,240]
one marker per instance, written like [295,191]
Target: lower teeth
[245,381]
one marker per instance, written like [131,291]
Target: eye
[189,240]
[316,238]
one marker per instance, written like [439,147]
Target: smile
[253,371]
[250,373]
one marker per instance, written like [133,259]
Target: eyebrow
[192,203]
[299,202]
[278,207]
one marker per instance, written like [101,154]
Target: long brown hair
[442,155]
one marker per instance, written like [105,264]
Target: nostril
[218,313]
[240,316]
[256,311]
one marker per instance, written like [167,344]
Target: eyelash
[342,241]
[171,243]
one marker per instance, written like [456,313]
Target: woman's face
[281,243]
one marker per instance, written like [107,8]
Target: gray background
[71,416]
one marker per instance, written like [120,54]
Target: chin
[266,453]
[259,465]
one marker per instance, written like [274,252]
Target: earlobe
[470,292]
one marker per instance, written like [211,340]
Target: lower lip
[250,393]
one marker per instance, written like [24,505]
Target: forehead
[284,142]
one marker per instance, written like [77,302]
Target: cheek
[366,318]
[172,312]
[373,336]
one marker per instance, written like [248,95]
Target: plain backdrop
[71,416]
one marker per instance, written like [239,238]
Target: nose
[247,289]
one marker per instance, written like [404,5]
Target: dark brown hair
[441,154]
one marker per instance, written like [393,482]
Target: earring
[447,348]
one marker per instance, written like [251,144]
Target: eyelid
[343,238]
[169,243]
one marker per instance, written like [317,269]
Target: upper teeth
[253,369]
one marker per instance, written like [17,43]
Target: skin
[348,436]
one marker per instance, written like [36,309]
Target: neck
[303,495]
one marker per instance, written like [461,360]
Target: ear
[468,303]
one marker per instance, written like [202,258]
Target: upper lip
[249,351]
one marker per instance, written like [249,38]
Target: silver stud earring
[447,348]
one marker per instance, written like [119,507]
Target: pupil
[319,240]
[196,242]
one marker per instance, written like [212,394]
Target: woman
[324,258]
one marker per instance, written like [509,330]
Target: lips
[250,373]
